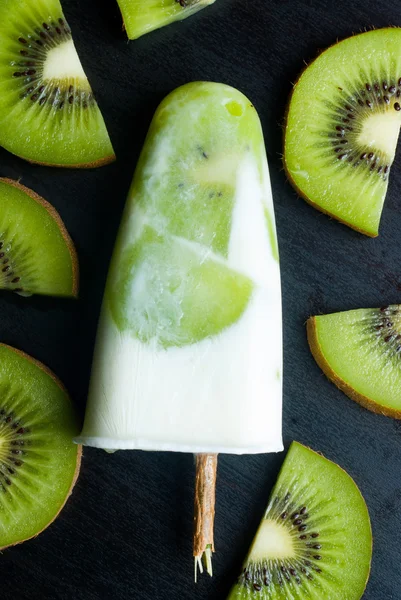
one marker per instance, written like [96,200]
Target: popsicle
[188,355]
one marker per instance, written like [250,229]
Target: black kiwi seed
[10,430]
[386,330]
[9,278]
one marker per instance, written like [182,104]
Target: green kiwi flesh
[342,128]
[48,113]
[315,540]
[39,463]
[37,255]
[360,351]
[141,17]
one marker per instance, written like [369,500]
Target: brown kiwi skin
[313,340]
[107,160]
[56,217]
[288,174]
[46,370]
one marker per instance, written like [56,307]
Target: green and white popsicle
[189,350]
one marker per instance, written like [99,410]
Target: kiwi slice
[180,280]
[39,464]
[48,113]
[37,255]
[315,539]
[360,351]
[342,128]
[141,17]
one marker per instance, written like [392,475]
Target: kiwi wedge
[37,255]
[342,128]
[48,113]
[141,17]
[315,539]
[39,463]
[360,351]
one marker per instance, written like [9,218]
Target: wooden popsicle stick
[204,511]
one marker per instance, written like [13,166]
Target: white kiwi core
[273,541]
[62,62]
[380,132]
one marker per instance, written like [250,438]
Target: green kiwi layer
[39,463]
[342,127]
[315,540]
[193,296]
[48,113]
[171,281]
[37,255]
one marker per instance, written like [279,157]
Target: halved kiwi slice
[141,17]
[360,351]
[37,255]
[48,113]
[342,128]
[315,540]
[193,296]
[39,464]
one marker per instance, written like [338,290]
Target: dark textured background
[126,532]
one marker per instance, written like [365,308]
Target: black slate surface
[126,532]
